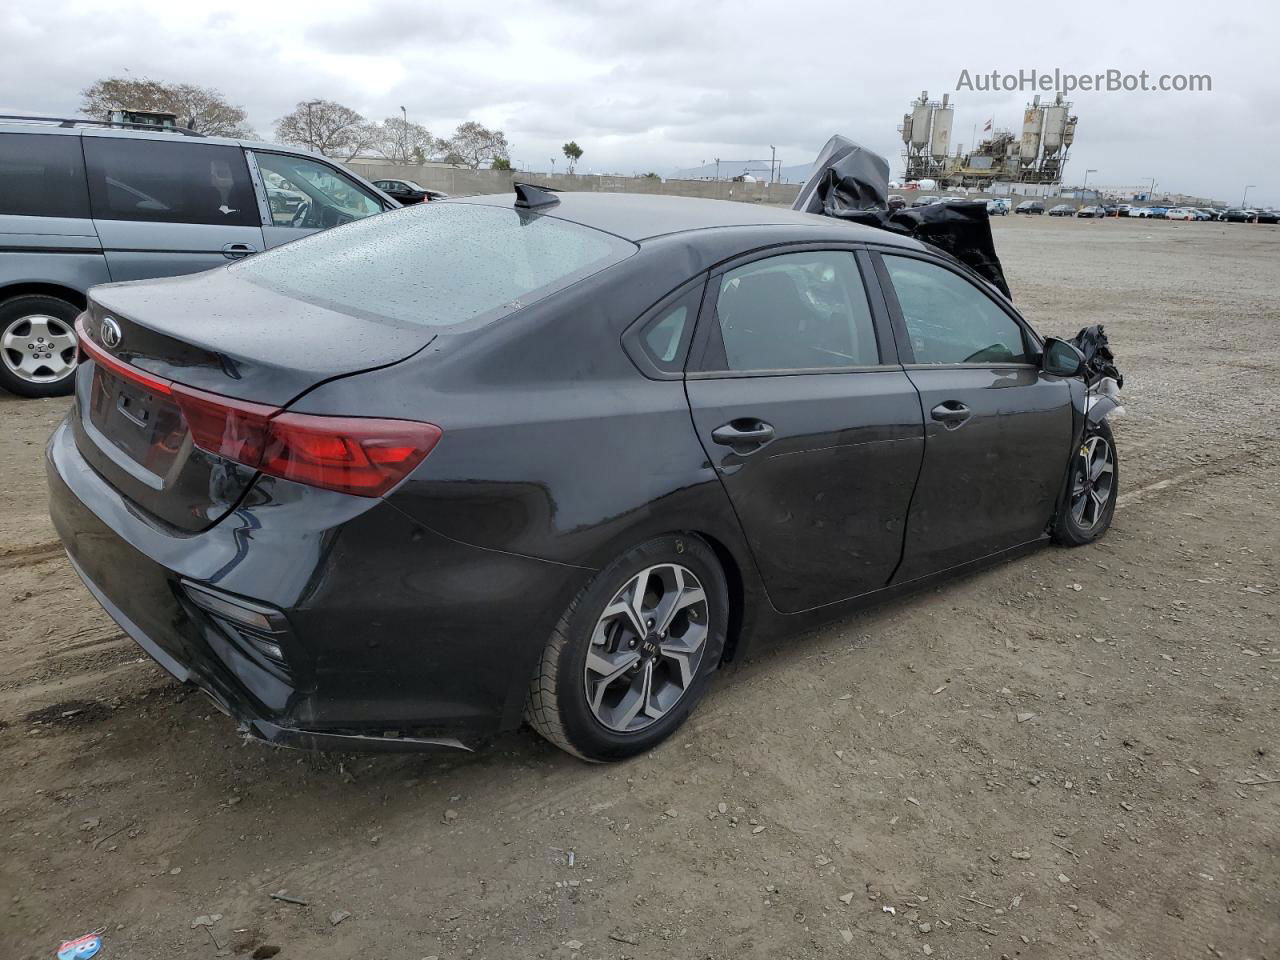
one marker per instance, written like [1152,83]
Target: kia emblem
[111,334]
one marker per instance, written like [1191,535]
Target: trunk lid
[218,334]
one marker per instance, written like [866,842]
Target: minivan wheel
[634,652]
[37,346]
[1092,488]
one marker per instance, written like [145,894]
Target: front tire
[1093,486]
[38,346]
[634,652]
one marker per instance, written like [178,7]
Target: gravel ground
[1073,755]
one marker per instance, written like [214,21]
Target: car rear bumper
[396,638]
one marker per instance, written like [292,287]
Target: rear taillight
[358,455]
[352,454]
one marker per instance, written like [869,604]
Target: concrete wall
[461,183]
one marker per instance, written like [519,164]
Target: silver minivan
[85,202]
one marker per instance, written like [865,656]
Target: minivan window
[42,175]
[307,193]
[169,182]
[436,264]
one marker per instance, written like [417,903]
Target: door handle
[950,413]
[743,435]
[236,251]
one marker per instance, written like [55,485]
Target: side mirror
[1062,359]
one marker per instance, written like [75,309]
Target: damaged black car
[556,457]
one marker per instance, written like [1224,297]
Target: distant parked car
[1110,210]
[1029,207]
[924,201]
[407,192]
[995,208]
[1180,213]
[1062,210]
[1237,215]
[1142,212]
[896,201]
[1090,212]
[1159,213]
[1267,216]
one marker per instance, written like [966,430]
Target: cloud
[665,84]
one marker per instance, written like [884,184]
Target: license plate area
[146,426]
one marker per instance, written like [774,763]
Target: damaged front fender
[1103,400]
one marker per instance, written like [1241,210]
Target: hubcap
[1094,482]
[646,648]
[39,348]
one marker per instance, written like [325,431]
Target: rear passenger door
[997,428]
[171,205]
[809,421]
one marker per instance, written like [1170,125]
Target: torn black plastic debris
[1099,361]
[850,182]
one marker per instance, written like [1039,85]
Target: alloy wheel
[1094,482]
[39,348]
[646,648]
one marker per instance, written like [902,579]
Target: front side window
[437,264]
[307,194]
[796,311]
[949,320]
[169,181]
[42,175]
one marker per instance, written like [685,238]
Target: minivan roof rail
[85,121]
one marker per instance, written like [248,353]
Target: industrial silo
[906,128]
[1055,122]
[943,117]
[921,117]
[1032,123]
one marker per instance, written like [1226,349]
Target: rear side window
[169,182]
[436,264]
[42,175]
[797,311]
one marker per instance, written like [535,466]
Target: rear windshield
[437,264]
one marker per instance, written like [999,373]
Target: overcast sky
[658,85]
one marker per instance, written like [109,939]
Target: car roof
[83,126]
[638,216]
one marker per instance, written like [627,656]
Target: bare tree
[403,142]
[329,127]
[198,108]
[472,144]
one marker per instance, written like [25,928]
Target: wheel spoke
[608,670]
[637,698]
[682,596]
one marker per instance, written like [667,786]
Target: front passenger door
[305,195]
[997,429]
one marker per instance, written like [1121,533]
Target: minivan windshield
[437,264]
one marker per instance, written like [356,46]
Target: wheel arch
[59,291]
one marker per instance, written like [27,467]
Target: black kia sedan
[407,482]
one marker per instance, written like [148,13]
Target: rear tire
[602,691]
[38,346]
[1093,485]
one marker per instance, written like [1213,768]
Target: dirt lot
[1074,755]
